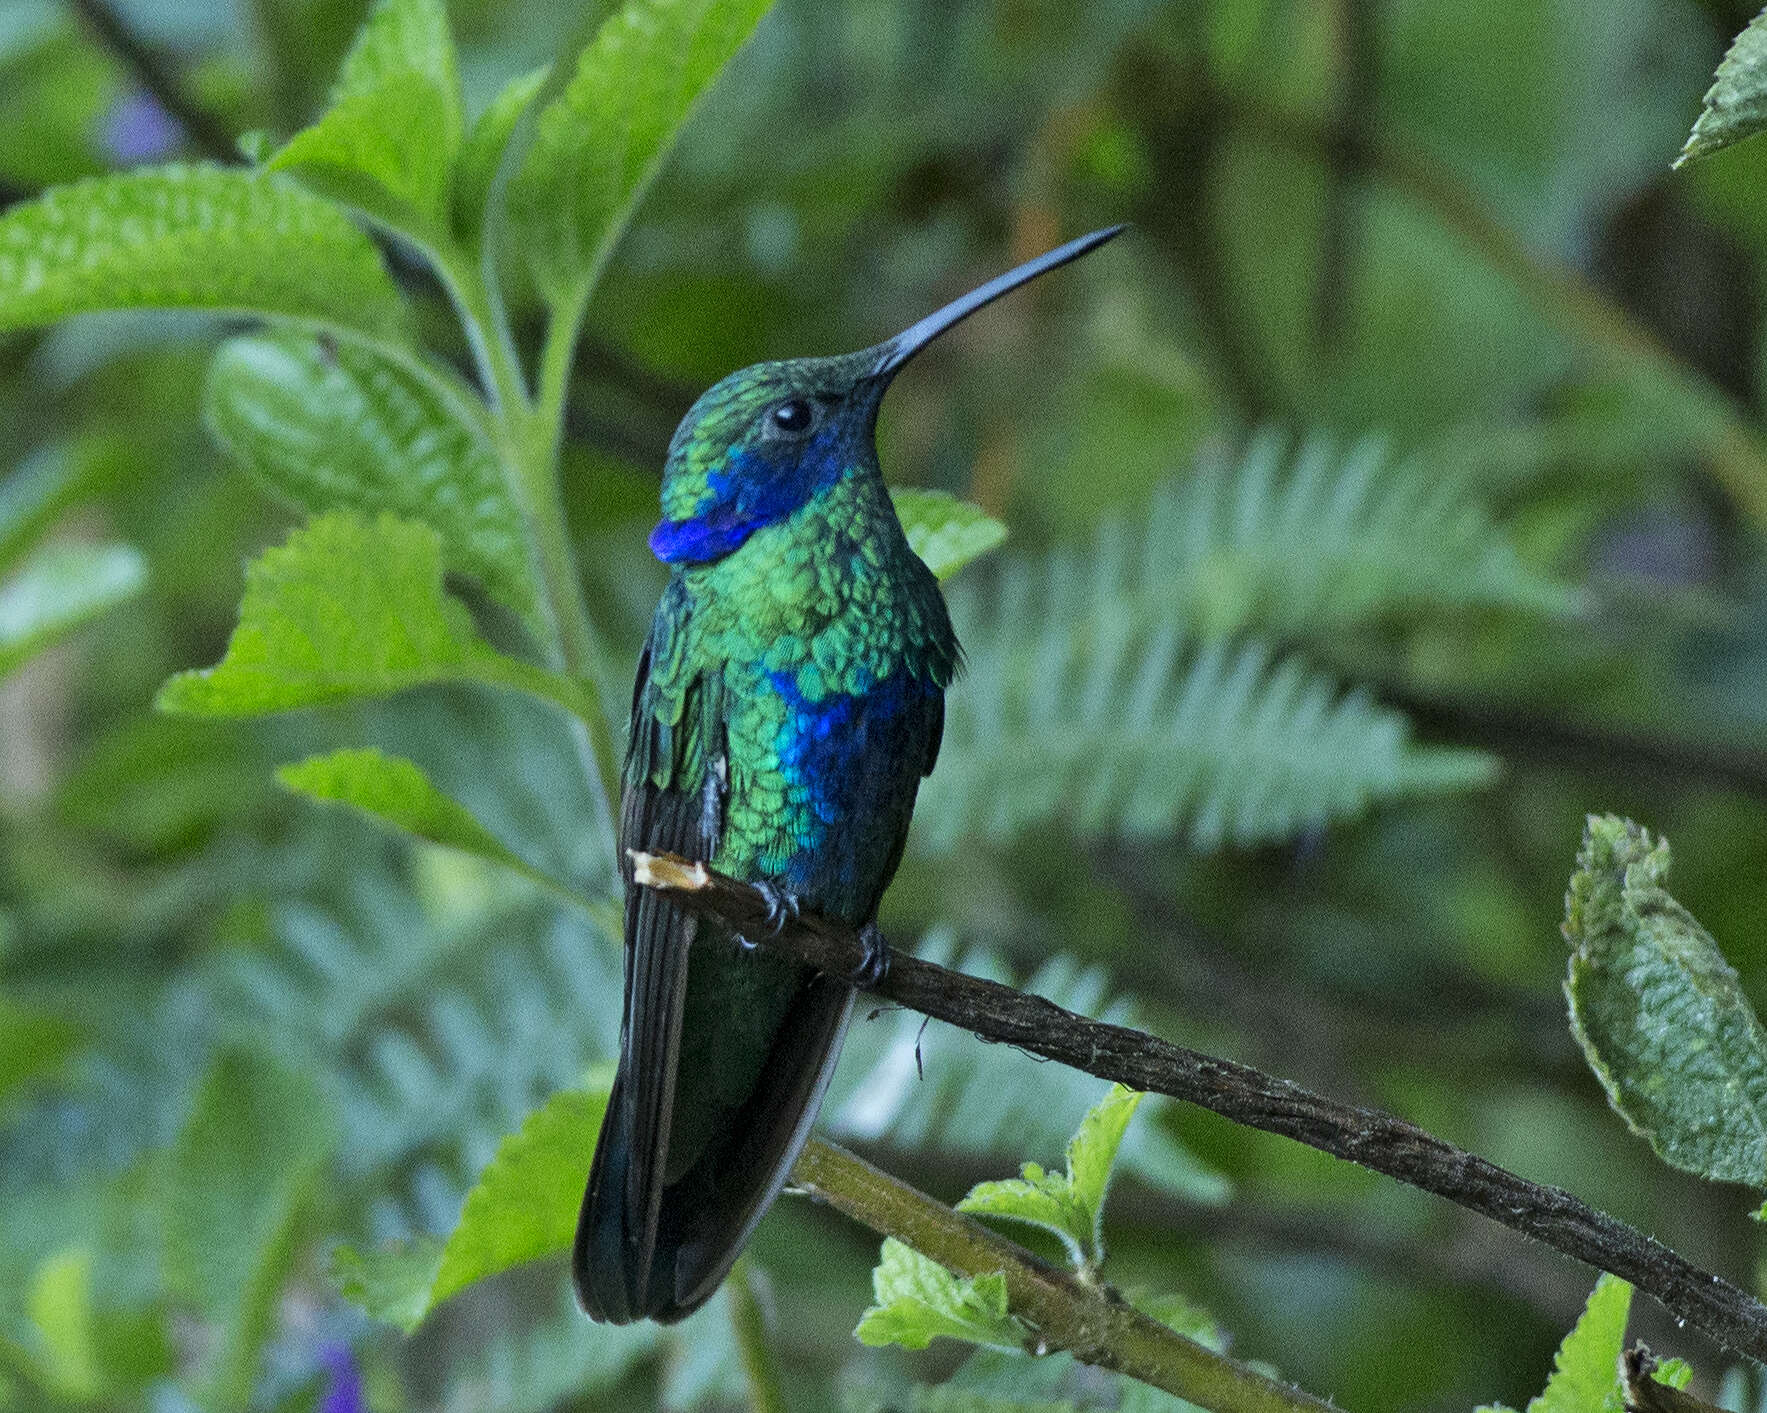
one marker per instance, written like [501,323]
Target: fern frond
[1071,713]
[1320,541]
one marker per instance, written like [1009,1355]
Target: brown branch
[1375,1140]
[206,132]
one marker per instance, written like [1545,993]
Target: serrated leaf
[947,533]
[524,1206]
[387,143]
[1659,1012]
[1586,1372]
[395,791]
[238,1184]
[919,1301]
[337,427]
[60,588]
[220,239]
[1070,1204]
[601,141]
[349,608]
[475,170]
[1735,106]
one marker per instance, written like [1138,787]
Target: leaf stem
[1091,1321]
[749,1321]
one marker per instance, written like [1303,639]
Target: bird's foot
[782,906]
[874,963]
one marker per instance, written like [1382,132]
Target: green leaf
[339,427]
[1586,1373]
[524,1206]
[1735,105]
[599,143]
[239,1184]
[350,608]
[477,167]
[918,1301]
[1070,1204]
[945,532]
[395,791]
[193,237]
[387,144]
[33,1044]
[60,588]
[1659,1012]
[60,1306]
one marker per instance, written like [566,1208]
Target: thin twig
[1340,226]
[1088,1319]
[206,132]
[1375,1140]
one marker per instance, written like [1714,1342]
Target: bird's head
[762,442]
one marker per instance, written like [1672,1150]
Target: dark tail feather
[626,1267]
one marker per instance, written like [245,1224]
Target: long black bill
[893,354]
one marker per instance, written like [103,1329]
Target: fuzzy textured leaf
[1070,1204]
[1735,106]
[1659,1012]
[475,170]
[947,533]
[524,1206]
[387,144]
[60,588]
[341,428]
[919,1301]
[349,608]
[599,143]
[193,237]
[1585,1373]
[395,791]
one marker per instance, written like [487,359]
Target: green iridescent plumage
[788,702]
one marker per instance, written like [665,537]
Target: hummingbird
[789,699]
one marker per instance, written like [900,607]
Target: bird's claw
[782,906]
[874,962]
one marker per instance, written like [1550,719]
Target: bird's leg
[874,965]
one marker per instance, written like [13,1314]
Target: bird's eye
[792,418]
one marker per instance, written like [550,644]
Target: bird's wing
[672,802]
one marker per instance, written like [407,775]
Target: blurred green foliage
[1387,500]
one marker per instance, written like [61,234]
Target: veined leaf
[387,144]
[1586,1374]
[1659,1012]
[919,1301]
[350,608]
[238,1186]
[603,139]
[945,532]
[193,237]
[341,427]
[1070,1204]
[395,791]
[523,1207]
[1735,106]
[475,170]
[60,588]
